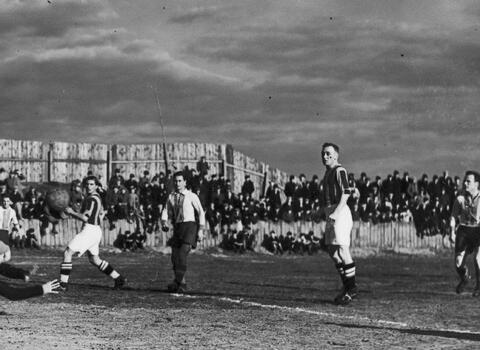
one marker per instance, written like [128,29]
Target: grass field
[246,301]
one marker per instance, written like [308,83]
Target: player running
[339,221]
[466,212]
[88,239]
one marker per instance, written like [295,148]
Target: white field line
[320,313]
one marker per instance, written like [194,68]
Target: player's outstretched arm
[21,293]
[73,213]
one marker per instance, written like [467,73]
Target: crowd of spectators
[292,244]
[425,202]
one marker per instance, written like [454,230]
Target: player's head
[179,181]
[6,202]
[91,183]
[330,153]
[471,181]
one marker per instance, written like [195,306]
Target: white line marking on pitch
[320,313]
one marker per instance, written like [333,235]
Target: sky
[395,83]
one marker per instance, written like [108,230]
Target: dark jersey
[19,293]
[467,209]
[335,184]
[92,208]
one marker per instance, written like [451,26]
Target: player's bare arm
[73,213]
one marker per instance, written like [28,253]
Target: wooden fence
[394,236]
[65,162]
[397,237]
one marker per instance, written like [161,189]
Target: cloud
[195,14]
[396,87]
[43,19]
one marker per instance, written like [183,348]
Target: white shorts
[4,248]
[87,239]
[338,232]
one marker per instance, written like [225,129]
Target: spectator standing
[290,187]
[144,179]
[202,167]
[248,187]
[116,179]
[131,182]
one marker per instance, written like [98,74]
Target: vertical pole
[50,163]
[224,168]
[108,171]
[265,182]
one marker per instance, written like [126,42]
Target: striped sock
[108,270]
[65,269]
[349,276]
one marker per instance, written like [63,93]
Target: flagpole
[159,111]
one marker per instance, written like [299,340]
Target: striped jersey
[335,184]
[92,208]
[467,210]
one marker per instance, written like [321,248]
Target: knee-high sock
[65,270]
[108,269]
[349,276]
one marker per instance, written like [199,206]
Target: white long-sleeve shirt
[181,207]
[7,218]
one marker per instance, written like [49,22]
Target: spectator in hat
[248,187]
[144,179]
[131,182]
[202,167]
[116,179]
[14,180]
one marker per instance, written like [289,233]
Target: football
[57,199]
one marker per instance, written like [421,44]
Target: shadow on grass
[269,285]
[417,331]
[206,294]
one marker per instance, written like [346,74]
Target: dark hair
[92,178]
[179,173]
[475,174]
[330,144]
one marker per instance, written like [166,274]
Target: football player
[339,221]
[88,239]
[466,213]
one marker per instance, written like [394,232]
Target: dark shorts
[467,239]
[5,236]
[186,232]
